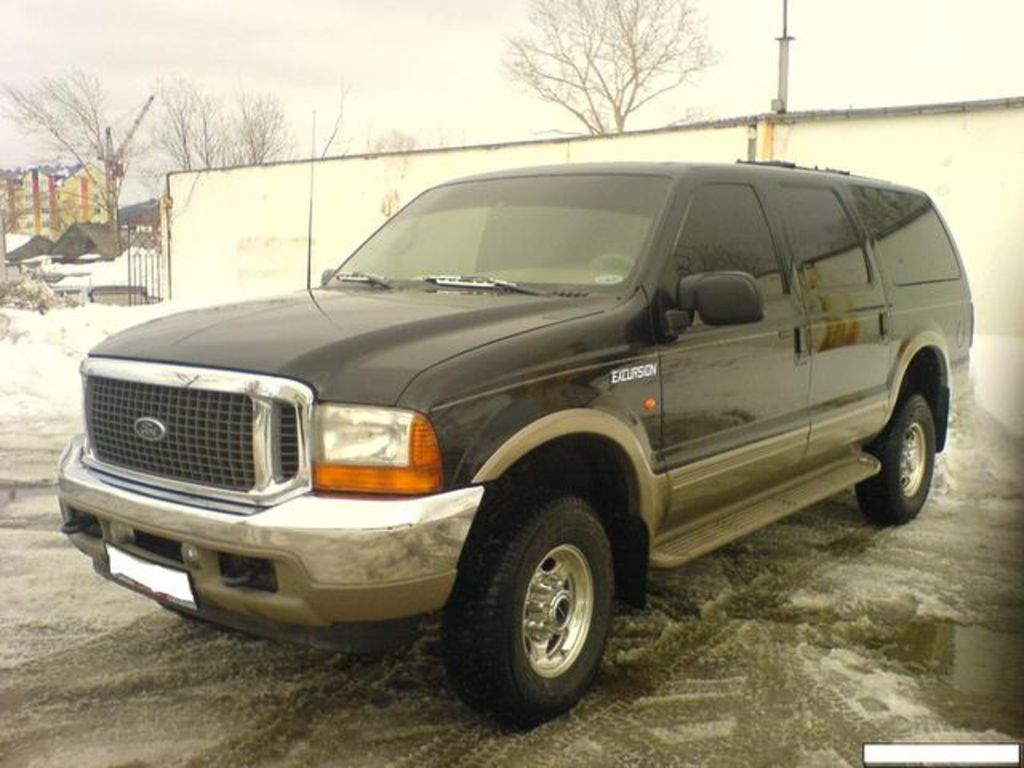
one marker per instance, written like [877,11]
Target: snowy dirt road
[790,647]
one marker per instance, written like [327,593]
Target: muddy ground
[791,647]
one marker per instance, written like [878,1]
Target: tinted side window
[726,230]
[912,244]
[824,241]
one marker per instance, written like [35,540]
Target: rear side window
[726,230]
[824,241]
[911,242]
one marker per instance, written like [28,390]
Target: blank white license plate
[161,581]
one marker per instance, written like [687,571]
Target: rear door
[734,397]
[848,317]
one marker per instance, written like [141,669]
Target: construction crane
[115,160]
[113,165]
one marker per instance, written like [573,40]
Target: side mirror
[326,275]
[720,298]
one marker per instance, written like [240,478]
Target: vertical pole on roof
[780,103]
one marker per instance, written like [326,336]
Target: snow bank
[33,295]
[14,241]
[40,354]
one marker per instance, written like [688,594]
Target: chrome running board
[718,528]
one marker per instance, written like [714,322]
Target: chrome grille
[231,436]
[288,440]
[208,440]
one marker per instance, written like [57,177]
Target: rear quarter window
[823,239]
[910,240]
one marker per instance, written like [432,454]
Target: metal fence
[144,260]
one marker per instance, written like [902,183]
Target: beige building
[46,199]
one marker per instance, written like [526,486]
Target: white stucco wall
[244,230]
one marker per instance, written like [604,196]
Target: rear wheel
[907,451]
[526,625]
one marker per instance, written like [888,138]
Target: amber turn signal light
[421,476]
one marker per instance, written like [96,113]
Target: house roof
[87,238]
[36,245]
[59,171]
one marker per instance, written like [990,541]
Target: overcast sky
[433,69]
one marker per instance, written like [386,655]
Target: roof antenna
[309,223]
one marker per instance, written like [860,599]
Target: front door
[734,397]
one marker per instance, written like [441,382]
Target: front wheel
[527,622]
[907,451]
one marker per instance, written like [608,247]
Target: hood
[356,345]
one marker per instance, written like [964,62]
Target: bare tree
[10,212]
[69,113]
[602,60]
[193,130]
[66,111]
[175,132]
[339,121]
[259,131]
[209,142]
[394,141]
[199,130]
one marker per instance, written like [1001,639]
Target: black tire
[484,626]
[885,499]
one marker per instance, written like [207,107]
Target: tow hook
[80,522]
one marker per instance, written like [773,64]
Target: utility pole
[108,173]
[3,247]
[780,104]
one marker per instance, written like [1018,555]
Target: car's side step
[730,523]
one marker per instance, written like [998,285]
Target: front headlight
[375,450]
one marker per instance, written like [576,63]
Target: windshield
[579,230]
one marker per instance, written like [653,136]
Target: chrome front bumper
[336,559]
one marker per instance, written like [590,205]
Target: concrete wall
[243,230]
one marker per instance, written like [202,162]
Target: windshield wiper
[479,281]
[362,277]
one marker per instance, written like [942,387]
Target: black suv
[521,393]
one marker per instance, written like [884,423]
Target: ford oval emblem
[150,429]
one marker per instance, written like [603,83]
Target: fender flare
[652,492]
[908,350]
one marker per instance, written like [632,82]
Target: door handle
[801,349]
[883,327]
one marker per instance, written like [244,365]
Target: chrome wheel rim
[557,611]
[913,460]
